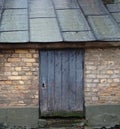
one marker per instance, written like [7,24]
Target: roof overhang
[61,45]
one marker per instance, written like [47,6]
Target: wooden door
[61,82]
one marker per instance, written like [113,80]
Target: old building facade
[19,81]
[72,65]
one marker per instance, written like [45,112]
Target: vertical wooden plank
[62,74]
[72,80]
[65,80]
[43,79]
[51,83]
[57,80]
[79,80]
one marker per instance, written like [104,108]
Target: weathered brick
[28,64]
[35,56]
[17,77]
[29,60]
[14,77]
[14,59]
[109,71]
[96,80]
[92,76]
[28,73]
[116,80]
[8,64]
[26,68]
[19,51]
[103,80]
[14,73]
[95,99]
[110,81]
[29,55]
[18,68]
[7,74]
[8,82]
[106,78]
[91,67]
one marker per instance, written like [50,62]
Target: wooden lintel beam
[59,45]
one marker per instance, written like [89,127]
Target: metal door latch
[43,85]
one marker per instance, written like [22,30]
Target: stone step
[62,122]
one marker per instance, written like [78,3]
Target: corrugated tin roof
[58,21]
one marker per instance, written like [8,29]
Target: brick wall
[102,76]
[18,78]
